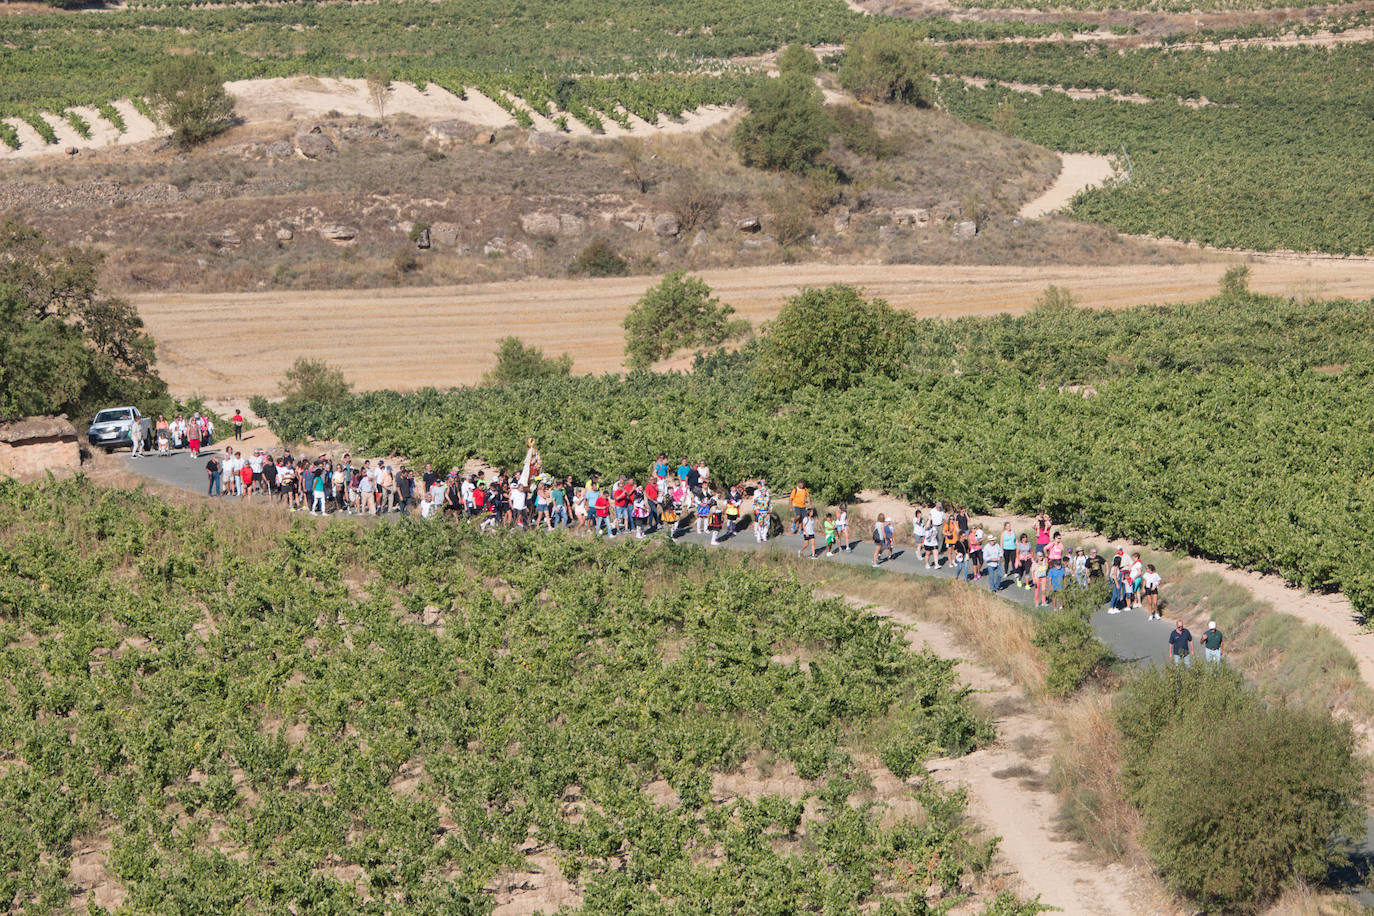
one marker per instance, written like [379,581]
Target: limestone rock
[338,233]
[665,225]
[841,219]
[965,230]
[699,239]
[749,224]
[484,138]
[315,146]
[280,149]
[540,223]
[571,224]
[911,216]
[446,132]
[230,237]
[285,235]
[495,247]
[887,233]
[521,252]
[443,235]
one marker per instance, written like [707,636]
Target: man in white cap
[1211,642]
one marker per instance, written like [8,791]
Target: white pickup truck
[117,426]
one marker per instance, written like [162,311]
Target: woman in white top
[842,529]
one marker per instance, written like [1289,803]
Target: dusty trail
[236,344]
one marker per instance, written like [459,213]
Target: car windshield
[109,416]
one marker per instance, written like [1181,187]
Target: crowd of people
[676,499]
[189,433]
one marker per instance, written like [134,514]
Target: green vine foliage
[387,719]
[1226,428]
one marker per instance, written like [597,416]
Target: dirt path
[1077,172]
[236,344]
[1009,795]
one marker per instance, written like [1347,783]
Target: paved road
[1130,635]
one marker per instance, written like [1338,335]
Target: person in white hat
[1211,642]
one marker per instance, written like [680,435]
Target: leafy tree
[516,362]
[831,338]
[679,312]
[786,127]
[886,64]
[187,93]
[798,58]
[1238,799]
[64,347]
[379,91]
[314,380]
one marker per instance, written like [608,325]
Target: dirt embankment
[231,345]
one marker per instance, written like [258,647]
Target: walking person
[1181,645]
[800,498]
[212,469]
[879,535]
[1211,642]
[763,508]
[237,420]
[808,533]
[136,442]
[1151,582]
[992,561]
[317,489]
[842,530]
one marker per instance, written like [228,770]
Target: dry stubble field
[239,344]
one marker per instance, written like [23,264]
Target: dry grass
[1308,901]
[997,634]
[161,218]
[1084,771]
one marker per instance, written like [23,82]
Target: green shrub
[679,312]
[188,95]
[1239,800]
[830,338]
[798,58]
[516,362]
[599,259]
[858,130]
[786,128]
[888,64]
[1071,647]
[1239,806]
[314,381]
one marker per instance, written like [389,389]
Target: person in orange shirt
[801,501]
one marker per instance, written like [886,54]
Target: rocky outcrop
[36,445]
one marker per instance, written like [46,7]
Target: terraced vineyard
[643,59]
[206,715]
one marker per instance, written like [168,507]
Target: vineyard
[646,59]
[1276,158]
[213,717]
[1226,428]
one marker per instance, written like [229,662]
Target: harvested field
[443,336]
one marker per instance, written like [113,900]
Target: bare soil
[1009,794]
[234,345]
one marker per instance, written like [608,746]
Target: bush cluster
[1238,799]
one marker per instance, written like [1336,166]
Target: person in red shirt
[246,475]
[237,420]
[651,497]
[603,513]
